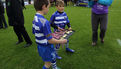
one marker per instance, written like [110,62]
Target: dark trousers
[2,20]
[21,32]
[96,20]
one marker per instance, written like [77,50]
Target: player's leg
[54,66]
[67,47]
[42,53]
[53,57]
[103,26]
[47,65]
[48,56]
[95,23]
[56,49]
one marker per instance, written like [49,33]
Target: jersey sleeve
[47,30]
[52,19]
[52,22]
[67,19]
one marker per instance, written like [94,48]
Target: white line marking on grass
[119,41]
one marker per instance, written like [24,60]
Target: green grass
[103,56]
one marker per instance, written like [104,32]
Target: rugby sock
[44,67]
[57,48]
[54,64]
[67,44]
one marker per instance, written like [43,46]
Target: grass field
[103,56]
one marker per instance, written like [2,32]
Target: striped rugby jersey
[59,19]
[41,29]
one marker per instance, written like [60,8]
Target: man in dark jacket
[14,10]
[2,18]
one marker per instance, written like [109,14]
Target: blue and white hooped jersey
[41,29]
[59,19]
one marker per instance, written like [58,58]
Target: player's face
[46,9]
[60,8]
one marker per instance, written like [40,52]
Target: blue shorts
[47,53]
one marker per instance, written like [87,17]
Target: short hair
[60,3]
[39,3]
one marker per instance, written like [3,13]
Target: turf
[103,56]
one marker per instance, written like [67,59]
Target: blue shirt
[59,19]
[41,29]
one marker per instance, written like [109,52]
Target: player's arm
[52,22]
[55,41]
[53,25]
[68,24]
[51,40]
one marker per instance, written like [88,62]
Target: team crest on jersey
[42,21]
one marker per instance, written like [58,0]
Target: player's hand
[60,29]
[64,41]
[70,29]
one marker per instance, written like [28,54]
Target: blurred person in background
[15,15]
[2,18]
